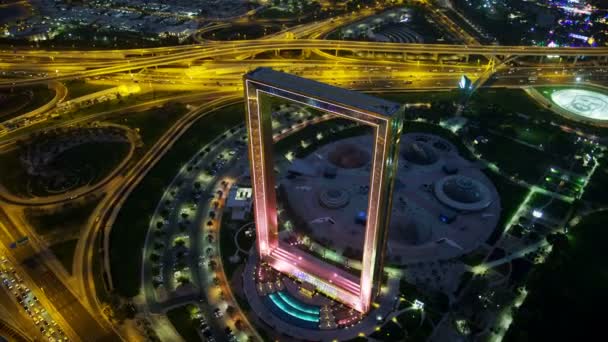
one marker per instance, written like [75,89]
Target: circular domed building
[419,152]
[334,198]
[348,156]
[462,193]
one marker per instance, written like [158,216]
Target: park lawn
[78,88]
[498,103]
[42,95]
[81,161]
[152,123]
[389,332]
[88,154]
[516,159]
[183,323]
[420,96]
[567,293]
[70,218]
[597,185]
[556,208]
[88,113]
[508,100]
[129,229]
[64,252]
[416,330]
[511,196]
[12,173]
[407,328]
[227,246]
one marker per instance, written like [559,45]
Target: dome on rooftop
[462,193]
[419,152]
[348,156]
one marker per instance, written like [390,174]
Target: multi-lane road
[214,71]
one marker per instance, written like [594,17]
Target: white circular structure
[462,193]
[334,198]
[587,104]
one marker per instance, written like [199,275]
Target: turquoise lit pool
[293,311]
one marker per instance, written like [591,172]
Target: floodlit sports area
[588,105]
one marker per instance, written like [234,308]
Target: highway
[236,48]
[212,72]
[65,306]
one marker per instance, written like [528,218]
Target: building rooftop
[324,92]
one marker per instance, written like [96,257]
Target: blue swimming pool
[293,311]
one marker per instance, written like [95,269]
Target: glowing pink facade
[386,120]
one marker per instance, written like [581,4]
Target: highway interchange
[212,71]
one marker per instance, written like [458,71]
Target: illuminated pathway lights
[587,104]
[386,119]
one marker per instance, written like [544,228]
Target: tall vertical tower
[386,120]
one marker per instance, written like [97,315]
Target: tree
[558,240]
[231,311]
[154,257]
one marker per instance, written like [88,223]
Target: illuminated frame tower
[386,119]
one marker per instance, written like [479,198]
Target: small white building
[239,202]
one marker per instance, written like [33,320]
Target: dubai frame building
[386,120]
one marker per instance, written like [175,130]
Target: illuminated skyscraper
[386,120]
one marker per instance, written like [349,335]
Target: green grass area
[420,96]
[18,102]
[516,159]
[389,332]
[417,330]
[511,196]
[181,319]
[69,218]
[434,302]
[129,229]
[227,246]
[152,123]
[494,103]
[566,292]
[555,208]
[99,112]
[499,108]
[78,88]
[81,164]
[64,251]
[596,188]
[408,327]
